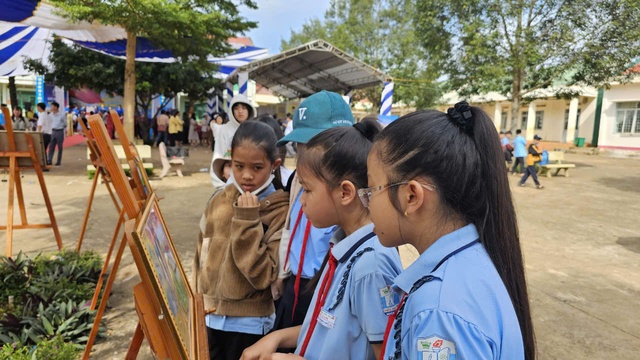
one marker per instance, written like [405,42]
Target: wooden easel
[131,204]
[101,171]
[15,184]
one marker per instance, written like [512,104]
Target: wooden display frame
[22,154]
[101,172]
[179,309]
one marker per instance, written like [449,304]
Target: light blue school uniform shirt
[359,301]
[520,146]
[317,244]
[2,121]
[256,325]
[463,311]
[505,140]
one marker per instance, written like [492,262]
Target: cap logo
[301,112]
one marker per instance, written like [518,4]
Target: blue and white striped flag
[387,98]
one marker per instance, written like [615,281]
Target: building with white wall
[606,118]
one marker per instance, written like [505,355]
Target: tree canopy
[380,33]
[191,29]
[516,46]
[76,67]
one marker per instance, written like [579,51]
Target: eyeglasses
[366,193]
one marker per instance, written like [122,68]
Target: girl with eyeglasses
[353,297]
[438,183]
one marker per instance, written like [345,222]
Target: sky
[276,19]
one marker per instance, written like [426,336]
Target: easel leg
[105,298]
[88,210]
[18,181]
[45,195]
[12,168]
[136,343]
[96,294]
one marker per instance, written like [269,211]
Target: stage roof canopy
[310,68]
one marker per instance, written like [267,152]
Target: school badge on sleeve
[389,300]
[436,348]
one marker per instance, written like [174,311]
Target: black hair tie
[362,128]
[461,115]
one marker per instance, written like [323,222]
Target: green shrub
[51,295]
[54,349]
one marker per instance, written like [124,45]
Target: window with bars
[523,120]
[539,119]
[627,118]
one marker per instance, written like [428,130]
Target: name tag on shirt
[389,300]
[326,319]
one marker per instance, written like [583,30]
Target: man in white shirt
[44,124]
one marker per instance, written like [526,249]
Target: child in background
[534,157]
[237,254]
[437,182]
[303,246]
[519,152]
[241,111]
[353,299]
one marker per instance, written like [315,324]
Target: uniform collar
[345,246]
[434,254]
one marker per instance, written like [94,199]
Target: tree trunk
[516,97]
[130,86]
[13,93]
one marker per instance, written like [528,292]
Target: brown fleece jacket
[237,256]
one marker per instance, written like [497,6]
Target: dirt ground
[580,237]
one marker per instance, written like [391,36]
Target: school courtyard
[580,237]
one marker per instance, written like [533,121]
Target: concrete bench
[143,150]
[556,162]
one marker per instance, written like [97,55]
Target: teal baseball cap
[317,113]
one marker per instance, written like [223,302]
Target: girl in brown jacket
[237,255]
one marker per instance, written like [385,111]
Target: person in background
[2,119]
[175,129]
[194,138]
[534,157]
[241,111]
[58,126]
[284,172]
[205,133]
[288,128]
[18,121]
[44,124]
[162,124]
[507,149]
[519,152]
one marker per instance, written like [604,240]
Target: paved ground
[580,235]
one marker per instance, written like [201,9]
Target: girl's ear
[276,164]
[348,192]
[414,196]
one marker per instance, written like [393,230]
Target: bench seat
[143,150]
[556,159]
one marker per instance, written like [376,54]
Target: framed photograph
[160,259]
